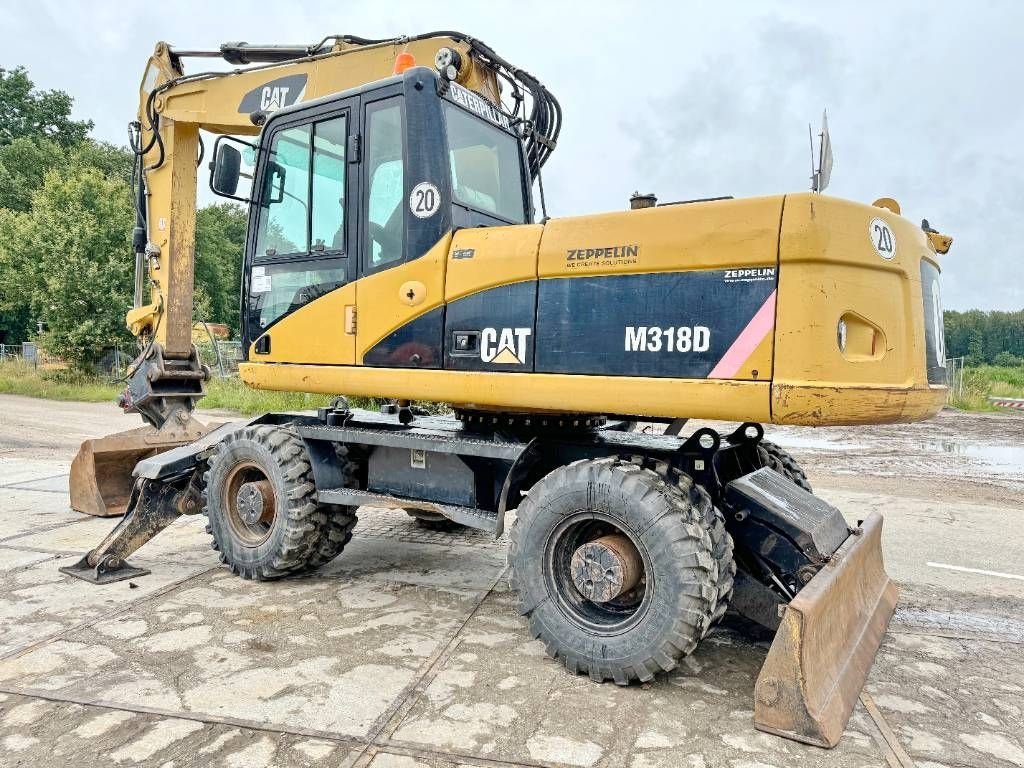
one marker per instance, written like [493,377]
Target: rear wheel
[614,568]
[721,541]
[260,500]
[433,521]
[779,459]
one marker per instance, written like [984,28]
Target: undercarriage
[626,547]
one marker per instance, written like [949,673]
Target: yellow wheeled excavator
[393,250]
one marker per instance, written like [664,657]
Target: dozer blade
[101,474]
[826,643]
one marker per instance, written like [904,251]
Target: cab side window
[385,169]
[283,218]
[300,240]
[328,213]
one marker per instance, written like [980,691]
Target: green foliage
[26,112]
[986,381]
[108,159]
[234,395]
[981,336]
[1008,360]
[220,237]
[24,164]
[18,378]
[69,256]
[61,190]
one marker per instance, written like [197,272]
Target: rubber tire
[664,520]
[431,523]
[303,535]
[779,459]
[336,531]
[721,543]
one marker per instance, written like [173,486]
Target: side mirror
[231,164]
[227,166]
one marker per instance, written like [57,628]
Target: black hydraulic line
[545,116]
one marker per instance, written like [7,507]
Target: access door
[299,292]
[405,229]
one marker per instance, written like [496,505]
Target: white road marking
[976,570]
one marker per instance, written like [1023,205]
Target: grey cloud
[683,99]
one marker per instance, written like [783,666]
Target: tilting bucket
[827,641]
[101,474]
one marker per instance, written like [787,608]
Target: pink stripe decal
[759,327]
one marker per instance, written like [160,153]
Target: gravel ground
[408,650]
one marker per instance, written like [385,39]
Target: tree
[72,253]
[108,159]
[985,337]
[29,113]
[23,165]
[220,238]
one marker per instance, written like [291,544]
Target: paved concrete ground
[408,650]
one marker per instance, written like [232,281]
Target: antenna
[821,177]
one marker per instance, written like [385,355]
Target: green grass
[233,395]
[17,378]
[989,380]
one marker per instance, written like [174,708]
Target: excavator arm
[167,378]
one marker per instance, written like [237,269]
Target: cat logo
[272,99]
[504,346]
[274,95]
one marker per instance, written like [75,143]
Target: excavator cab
[357,183]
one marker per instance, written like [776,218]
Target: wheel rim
[249,504]
[599,574]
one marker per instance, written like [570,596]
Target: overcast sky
[683,99]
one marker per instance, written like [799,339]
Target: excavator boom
[167,379]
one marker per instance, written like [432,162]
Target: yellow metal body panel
[704,399]
[383,303]
[315,333]
[500,255]
[828,267]
[712,235]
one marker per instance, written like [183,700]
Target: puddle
[801,443]
[1004,457]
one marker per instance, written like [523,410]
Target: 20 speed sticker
[882,238]
[424,200]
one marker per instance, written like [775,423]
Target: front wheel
[615,568]
[260,500]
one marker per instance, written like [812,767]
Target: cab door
[299,286]
[405,229]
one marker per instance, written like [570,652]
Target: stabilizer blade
[826,644]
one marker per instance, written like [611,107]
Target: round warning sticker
[424,200]
[882,238]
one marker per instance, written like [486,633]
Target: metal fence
[222,357]
[954,378]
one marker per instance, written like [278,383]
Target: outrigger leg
[153,505]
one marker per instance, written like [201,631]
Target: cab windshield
[487,174]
